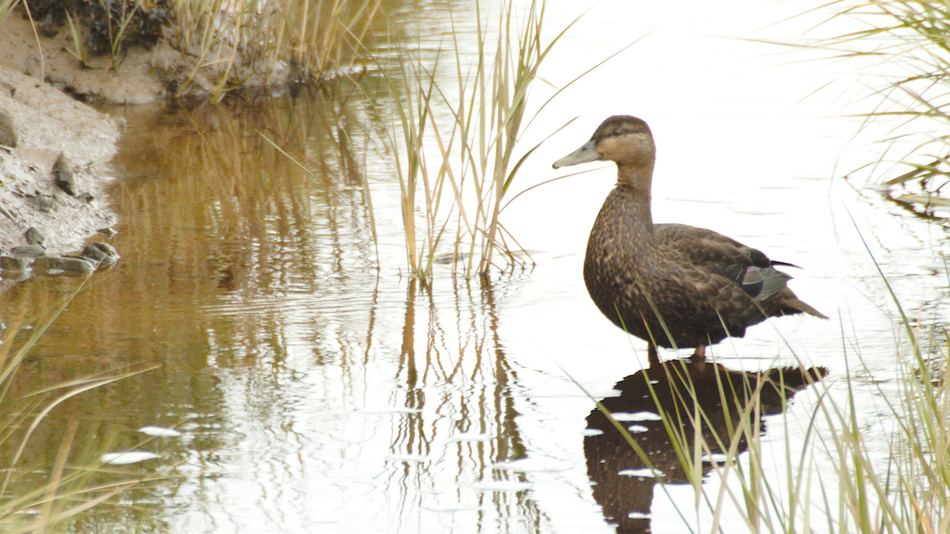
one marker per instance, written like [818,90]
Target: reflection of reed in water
[233,206]
[226,241]
[728,403]
[459,429]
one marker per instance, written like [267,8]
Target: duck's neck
[636,181]
[637,175]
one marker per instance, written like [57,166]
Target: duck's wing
[744,266]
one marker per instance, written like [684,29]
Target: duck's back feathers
[747,267]
[683,286]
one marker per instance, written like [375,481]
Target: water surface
[317,388]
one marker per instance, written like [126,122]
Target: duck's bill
[581,155]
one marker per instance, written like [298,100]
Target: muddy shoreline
[41,85]
[48,123]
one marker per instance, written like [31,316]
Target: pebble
[8,133]
[22,259]
[70,265]
[29,251]
[14,263]
[63,174]
[101,254]
[42,203]
[34,236]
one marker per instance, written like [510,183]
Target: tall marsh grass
[455,135]
[910,491]
[909,43]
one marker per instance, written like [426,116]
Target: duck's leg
[699,355]
[652,357]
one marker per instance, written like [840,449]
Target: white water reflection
[159,432]
[128,457]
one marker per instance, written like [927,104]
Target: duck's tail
[800,307]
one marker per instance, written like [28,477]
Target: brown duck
[673,285]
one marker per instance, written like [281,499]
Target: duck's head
[623,139]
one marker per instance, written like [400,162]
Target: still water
[312,386]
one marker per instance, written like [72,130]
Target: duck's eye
[617,131]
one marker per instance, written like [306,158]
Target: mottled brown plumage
[670,284]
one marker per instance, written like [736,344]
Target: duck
[672,285]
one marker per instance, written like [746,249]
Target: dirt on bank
[43,122]
[48,123]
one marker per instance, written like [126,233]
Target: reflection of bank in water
[672,394]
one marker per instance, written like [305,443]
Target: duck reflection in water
[623,483]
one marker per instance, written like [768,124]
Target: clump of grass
[474,149]
[232,42]
[908,492]
[100,27]
[117,21]
[911,35]
[413,115]
[489,118]
[224,44]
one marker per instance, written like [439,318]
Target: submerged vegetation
[37,500]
